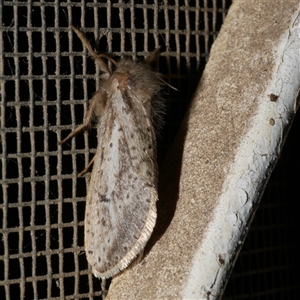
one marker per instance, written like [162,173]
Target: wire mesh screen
[46,83]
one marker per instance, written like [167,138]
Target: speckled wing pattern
[121,201]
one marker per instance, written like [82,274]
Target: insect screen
[46,82]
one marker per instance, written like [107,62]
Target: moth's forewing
[121,201]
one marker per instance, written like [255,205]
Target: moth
[121,199]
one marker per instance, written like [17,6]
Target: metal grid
[46,83]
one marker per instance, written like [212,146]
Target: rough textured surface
[243,61]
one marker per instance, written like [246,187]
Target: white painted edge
[249,172]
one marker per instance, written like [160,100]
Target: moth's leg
[80,128]
[95,110]
[103,288]
[87,168]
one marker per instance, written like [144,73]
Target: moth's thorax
[120,80]
[136,78]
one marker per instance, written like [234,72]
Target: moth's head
[136,77]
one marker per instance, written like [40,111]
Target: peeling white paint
[256,153]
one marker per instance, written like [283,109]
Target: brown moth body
[121,200]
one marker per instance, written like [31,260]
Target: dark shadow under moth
[121,199]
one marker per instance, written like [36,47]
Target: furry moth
[121,199]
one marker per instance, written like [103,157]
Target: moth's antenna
[97,57]
[153,56]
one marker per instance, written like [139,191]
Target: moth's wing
[121,201]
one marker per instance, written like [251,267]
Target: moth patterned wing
[121,200]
